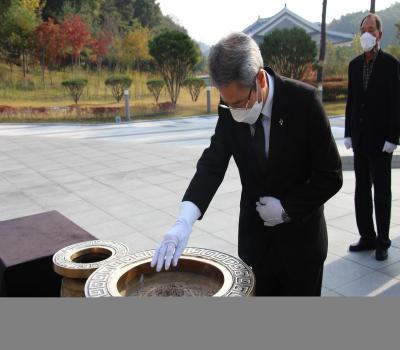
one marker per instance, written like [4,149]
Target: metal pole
[320,91]
[208,99]
[127,112]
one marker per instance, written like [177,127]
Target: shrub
[166,106]
[194,85]
[333,90]
[118,84]
[334,79]
[155,87]
[104,112]
[75,88]
[6,109]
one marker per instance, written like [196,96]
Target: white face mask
[248,116]
[368,42]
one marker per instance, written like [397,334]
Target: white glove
[176,239]
[389,147]
[270,210]
[347,143]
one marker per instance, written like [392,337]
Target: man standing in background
[373,130]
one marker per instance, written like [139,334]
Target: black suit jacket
[373,117]
[303,171]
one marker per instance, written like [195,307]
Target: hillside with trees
[115,16]
[89,52]
[90,33]
[350,23]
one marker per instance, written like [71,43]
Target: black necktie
[259,144]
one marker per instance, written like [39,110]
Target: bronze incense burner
[200,272]
[78,261]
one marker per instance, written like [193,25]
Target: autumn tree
[50,44]
[88,10]
[135,47]
[33,5]
[99,47]
[17,31]
[175,54]
[116,16]
[76,36]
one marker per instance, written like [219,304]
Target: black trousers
[276,276]
[301,280]
[373,170]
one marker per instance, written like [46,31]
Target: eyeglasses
[238,108]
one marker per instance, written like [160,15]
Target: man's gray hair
[378,21]
[235,58]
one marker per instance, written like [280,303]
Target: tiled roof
[263,23]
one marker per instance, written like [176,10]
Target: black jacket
[304,171]
[373,117]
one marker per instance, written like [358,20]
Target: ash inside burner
[174,289]
[171,284]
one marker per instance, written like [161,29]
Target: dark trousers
[296,279]
[373,170]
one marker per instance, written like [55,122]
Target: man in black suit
[372,130]
[277,132]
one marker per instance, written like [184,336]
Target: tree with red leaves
[50,44]
[99,47]
[76,36]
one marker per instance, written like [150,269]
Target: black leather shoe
[362,245]
[381,254]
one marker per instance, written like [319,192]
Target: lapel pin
[281,122]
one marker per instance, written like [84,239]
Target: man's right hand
[172,245]
[348,143]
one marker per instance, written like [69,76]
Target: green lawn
[105,111]
[30,105]
[335,108]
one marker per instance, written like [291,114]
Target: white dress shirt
[189,210]
[267,113]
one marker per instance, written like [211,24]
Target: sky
[210,20]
